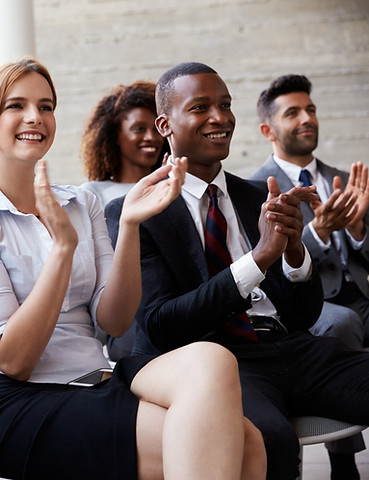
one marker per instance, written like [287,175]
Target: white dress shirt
[25,243]
[245,271]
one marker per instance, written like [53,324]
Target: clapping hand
[51,213]
[281,225]
[155,192]
[358,183]
[344,209]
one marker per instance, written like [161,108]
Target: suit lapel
[328,175]
[180,219]
[244,193]
[285,184]
[274,170]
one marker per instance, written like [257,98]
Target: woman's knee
[214,363]
[212,353]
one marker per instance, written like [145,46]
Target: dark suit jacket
[328,261]
[180,304]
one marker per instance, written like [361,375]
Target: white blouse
[25,243]
[107,190]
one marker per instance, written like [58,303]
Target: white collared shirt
[245,271]
[25,243]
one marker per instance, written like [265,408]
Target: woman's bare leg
[203,432]
[149,438]
[150,424]
[255,459]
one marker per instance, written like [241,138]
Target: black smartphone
[92,378]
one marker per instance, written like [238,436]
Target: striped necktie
[218,258]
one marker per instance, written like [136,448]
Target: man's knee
[341,322]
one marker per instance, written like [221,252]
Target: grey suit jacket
[328,261]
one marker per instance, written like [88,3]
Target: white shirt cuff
[356,245]
[322,245]
[246,274]
[301,274]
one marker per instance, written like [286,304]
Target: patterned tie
[218,259]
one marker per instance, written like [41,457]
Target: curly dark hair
[99,150]
[280,86]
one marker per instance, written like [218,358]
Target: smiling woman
[27,130]
[120,143]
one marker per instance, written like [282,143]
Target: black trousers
[300,374]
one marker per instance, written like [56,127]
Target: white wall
[91,45]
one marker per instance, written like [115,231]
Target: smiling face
[139,140]
[27,122]
[200,123]
[294,127]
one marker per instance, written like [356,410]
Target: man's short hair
[164,87]
[280,86]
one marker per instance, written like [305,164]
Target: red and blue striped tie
[218,258]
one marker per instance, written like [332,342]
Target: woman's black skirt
[54,431]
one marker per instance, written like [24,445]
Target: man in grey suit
[336,225]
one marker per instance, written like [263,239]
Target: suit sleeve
[318,255]
[299,304]
[364,250]
[112,215]
[177,306]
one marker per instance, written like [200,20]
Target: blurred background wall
[91,45]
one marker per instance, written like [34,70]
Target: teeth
[28,136]
[149,149]
[217,135]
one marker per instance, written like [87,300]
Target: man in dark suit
[285,370]
[335,226]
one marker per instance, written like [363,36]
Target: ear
[162,125]
[268,132]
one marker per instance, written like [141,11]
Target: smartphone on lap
[92,378]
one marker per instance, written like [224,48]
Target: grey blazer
[328,261]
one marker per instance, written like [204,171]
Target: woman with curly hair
[120,143]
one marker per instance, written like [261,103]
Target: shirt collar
[197,187]
[293,171]
[61,195]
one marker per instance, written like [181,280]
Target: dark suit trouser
[300,375]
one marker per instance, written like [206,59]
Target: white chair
[311,430]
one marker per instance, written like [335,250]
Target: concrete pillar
[17,35]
